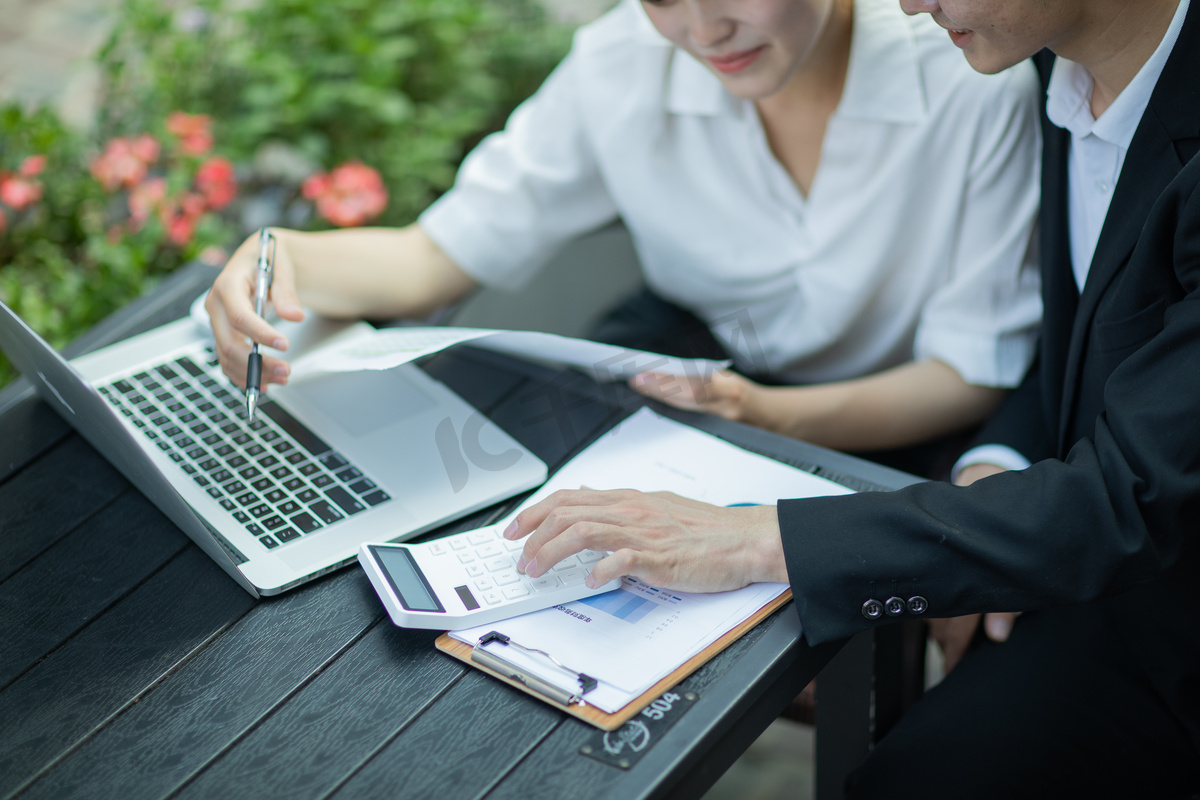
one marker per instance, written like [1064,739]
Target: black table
[131,666]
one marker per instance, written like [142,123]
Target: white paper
[390,347]
[632,637]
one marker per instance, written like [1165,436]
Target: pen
[262,284]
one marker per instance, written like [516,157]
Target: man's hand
[661,538]
[954,634]
[723,393]
[230,306]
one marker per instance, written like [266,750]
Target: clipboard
[576,704]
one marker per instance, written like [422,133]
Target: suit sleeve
[1116,512]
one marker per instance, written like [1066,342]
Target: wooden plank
[213,700]
[349,711]
[126,650]
[458,749]
[47,499]
[556,767]
[74,580]
[28,428]
[481,378]
[554,421]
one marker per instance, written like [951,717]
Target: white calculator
[470,579]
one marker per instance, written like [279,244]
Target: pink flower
[144,199]
[215,182]
[179,216]
[351,194]
[213,255]
[192,130]
[145,148]
[18,193]
[32,166]
[119,165]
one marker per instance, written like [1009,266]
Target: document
[390,347]
[632,637]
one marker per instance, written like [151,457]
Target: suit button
[872,609]
[894,606]
[917,604]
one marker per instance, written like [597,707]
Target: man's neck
[1119,38]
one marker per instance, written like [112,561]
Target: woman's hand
[230,307]
[723,393]
[661,538]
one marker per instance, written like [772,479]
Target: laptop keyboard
[274,476]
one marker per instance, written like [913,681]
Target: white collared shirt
[1098,146]
[911,244]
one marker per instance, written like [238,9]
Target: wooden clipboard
[601,719]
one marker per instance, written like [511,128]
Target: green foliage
[71,258]
[404,86]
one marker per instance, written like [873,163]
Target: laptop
[331,461]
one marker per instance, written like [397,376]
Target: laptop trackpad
[361,403]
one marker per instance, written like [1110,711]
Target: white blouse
[914,241]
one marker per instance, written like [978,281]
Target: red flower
[120,164]
[17,193]
[195,137]
[145,148]
[144,199]
[351,194]
[215,182]
[179,216]
[32,166]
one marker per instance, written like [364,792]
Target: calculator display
[406,579]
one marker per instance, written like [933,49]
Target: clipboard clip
[513,672]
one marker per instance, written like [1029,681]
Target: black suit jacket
[1109,513]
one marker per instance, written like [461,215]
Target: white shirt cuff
[997,454]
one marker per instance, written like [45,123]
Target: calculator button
[507,577]
[480,537]
[591,556]
[466,558]
[513,592]
[475,570]
[491,598]
[544,583]
[489,551]
[457,544]
[484,584]
[573,576]
[570,562]
[498,563]
[512,547]
[438,548]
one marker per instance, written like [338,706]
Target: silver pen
[262,285]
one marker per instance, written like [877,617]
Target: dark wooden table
[131,666]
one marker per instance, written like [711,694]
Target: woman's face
[752,46]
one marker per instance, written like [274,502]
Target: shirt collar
[1068,95]
[883,81]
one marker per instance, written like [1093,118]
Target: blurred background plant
[219,116]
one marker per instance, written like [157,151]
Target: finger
[999,625]
[284,297]
[570,530]
[613,566]
[656,385]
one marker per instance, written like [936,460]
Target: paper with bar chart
[632,637]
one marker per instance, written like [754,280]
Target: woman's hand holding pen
[661,538]
[230,307]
